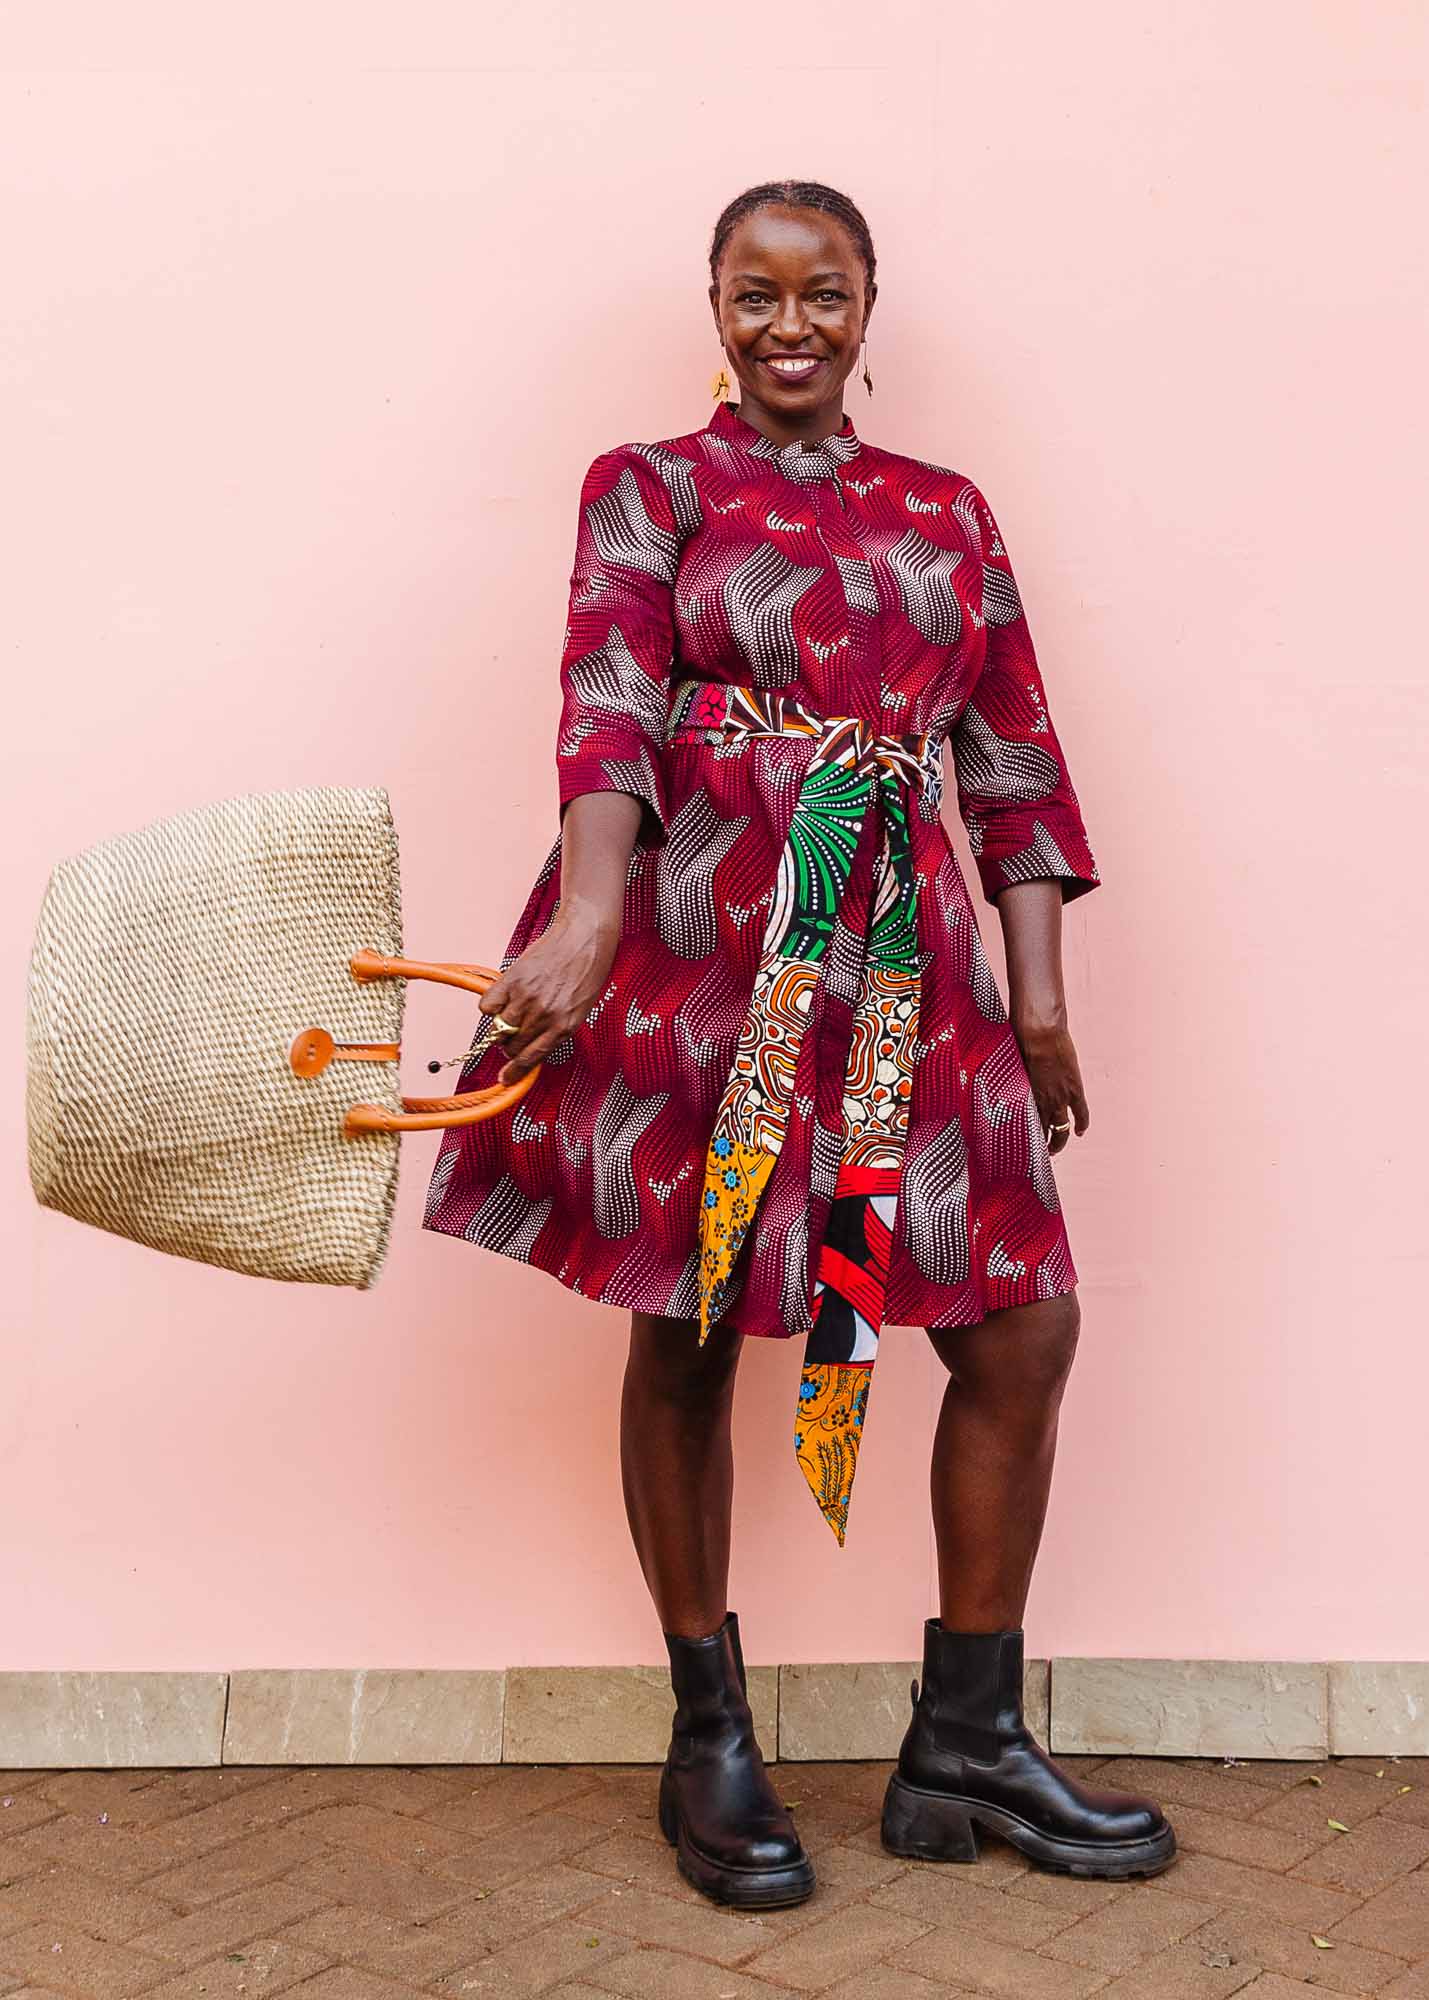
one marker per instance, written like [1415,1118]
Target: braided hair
[794,194]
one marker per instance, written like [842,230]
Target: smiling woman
[781,1091]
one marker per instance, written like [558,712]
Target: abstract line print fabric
[798,1107]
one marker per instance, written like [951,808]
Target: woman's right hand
[552,985]
[558,979]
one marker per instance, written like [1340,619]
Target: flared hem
[1020,1292]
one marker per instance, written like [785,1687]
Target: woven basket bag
[177,1090]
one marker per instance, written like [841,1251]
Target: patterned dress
[798,1106]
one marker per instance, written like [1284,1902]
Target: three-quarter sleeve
[619,642]
[1014,790]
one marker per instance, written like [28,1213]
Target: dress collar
[820,461]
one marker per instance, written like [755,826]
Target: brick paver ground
[340,1883]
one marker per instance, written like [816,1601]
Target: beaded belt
[853,768]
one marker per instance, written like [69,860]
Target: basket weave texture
[171,969]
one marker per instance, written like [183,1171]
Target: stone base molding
[621,1715]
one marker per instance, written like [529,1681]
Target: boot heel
[926,1827]
[669,1817]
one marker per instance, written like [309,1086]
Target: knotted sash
[853,769]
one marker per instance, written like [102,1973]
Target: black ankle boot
[733,1838]
[968,1760]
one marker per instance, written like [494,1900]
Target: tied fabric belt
[853,769]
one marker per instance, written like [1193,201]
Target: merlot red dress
[798,1106]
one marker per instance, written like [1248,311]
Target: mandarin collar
[823,460]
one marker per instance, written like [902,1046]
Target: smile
[792,368]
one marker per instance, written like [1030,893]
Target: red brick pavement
[365,1883]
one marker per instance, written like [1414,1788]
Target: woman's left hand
[1056,1079]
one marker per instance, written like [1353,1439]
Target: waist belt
[853,768]
[724,712]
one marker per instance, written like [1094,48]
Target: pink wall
[307,339]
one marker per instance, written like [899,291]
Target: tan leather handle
[431,1114]
[314,1049]
[369,965]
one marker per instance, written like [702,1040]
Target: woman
[781,1092]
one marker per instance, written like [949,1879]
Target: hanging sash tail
[853,770]
[852,1280]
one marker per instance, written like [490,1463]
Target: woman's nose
[791,321]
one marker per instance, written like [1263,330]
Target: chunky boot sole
[940,1826]
[741,1888]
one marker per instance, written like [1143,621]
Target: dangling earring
[867,378]
[719,388]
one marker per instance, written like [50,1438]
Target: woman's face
[791,286]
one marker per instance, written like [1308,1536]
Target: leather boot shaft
[971,1699]
[710,1699]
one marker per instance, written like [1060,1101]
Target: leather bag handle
[314,1049]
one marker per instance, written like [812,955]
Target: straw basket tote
[206,996]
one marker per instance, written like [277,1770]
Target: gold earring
[867,378]
[719,388]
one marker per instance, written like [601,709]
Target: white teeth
[792,367]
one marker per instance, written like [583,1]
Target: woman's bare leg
[992,1456]
[677,1465]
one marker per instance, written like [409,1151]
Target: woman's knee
[1019,1354]
[1062,1328]
[668,1361]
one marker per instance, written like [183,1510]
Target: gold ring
[505,1027]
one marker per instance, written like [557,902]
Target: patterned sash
[852,770]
